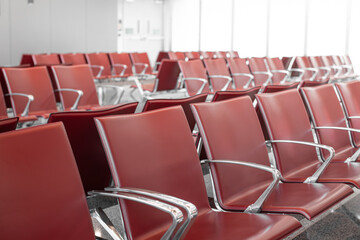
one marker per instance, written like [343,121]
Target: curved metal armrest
[174,212]
[300,71]
[140,64]
[337,70]
[119,92]
[256,206]
[251,78]
[327,72]
[101,69]
[27,106]
[354,117]
[316,175]
[224,77]
[204,81]
[355,156]
[287,74]
[348,68]
[79,93]
[268,80]
[190,208]
[315,72]
[120,65]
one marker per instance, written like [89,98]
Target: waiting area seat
[8,124]
[168,163]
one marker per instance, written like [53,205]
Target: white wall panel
[287,28]
[68,21]
[250,27]
[30,28]
[101,25]
[185,25]
[327,27]
[354,37]
[4,32]
[215,25]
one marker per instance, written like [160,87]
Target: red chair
[278,71]
[8,124]
[240,73]
[51,203]
[154,104]
[72,58]
[30,91]
[262,76]
[192,55]
[224,95]
[222,54]
[329,122]
[324,71]
[349,66]
[349,95]
[194,77]
[278,88]
[80,88]
[207,55]
[166,80]
[346,70]
[161,56]
[100,65]
[121,64]
[141,64]
[240,167]
[219,74]
[335,71]
[291,136]
[304,64]
[234,54]
[176,55]
[45,59]
[85,142]
[169,165]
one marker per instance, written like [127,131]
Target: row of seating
[155,152]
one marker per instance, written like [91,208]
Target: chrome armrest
[251,78]
[101,69]
[327,72]
[27,106]
[224,77]
[316,175]
[354,117]
[190,208]
[300,71]
[174,212]
[268,80]
[348,68]
[140,64]
[119,92]
[315,72]
[204,81]
[354,157]
[256,206]
[337,70]
[79,93]
[124,67]
[286,77]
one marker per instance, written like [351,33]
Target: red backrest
[258,65]
[194,69]
[86,144]
[276,64]
[78,77]
[46,59]
[287,62]
[234,54]
[73,58]
[238,65]
[208,55]
[8,124]
[192,55]
[224,95]
[99,59]
[316,62]
[141,58]
[34,81]
[337,60]
[168,75]
[329,62]
[286,119]
[231,131]
[217,67]
[222,54]
[308,83]
[161,56]
[349,95]
[347,61]
[121,58]
[185,103]
[325,110]
[40,187]
[160,158]
[27,59]
[180,55]
[4,85]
